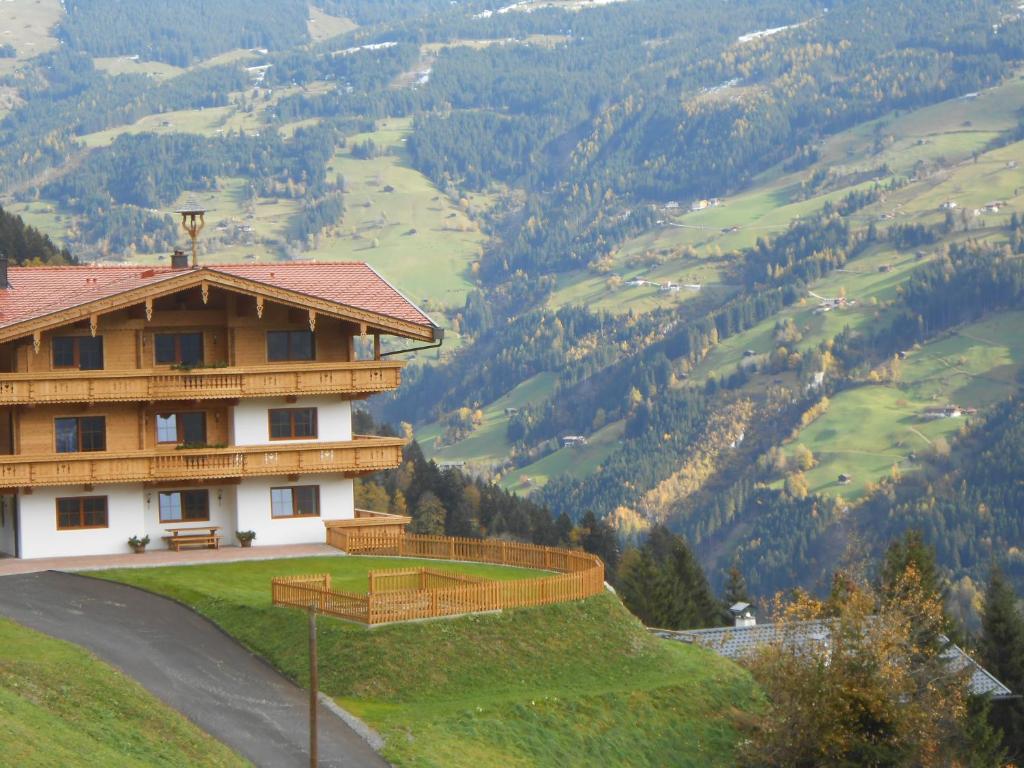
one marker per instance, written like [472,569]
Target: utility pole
[314,686]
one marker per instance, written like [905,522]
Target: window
[82,352]
[81,433]
[290,345]
[179,348]
[181,428]
[187,506]
[82,512]
[296,501]
[292,423]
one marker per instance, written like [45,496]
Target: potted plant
[139,545]
[245,537]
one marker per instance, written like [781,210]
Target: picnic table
[193,536]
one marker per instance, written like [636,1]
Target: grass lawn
[572,684]
[60,706]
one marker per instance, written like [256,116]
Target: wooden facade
[44,379]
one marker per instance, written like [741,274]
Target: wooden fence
[423,593]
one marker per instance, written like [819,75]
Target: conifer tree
[665,586]
[1002,653]
[736,588]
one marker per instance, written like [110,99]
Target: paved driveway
[187,662]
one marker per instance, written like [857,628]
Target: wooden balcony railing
[357,379]
[358,456]
[380,524]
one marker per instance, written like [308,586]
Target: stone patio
[10,565]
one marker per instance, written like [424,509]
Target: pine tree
[599,538]
[982,744]
[642,586]
[1002,653]
[429,515]
[664,585]
[736,588]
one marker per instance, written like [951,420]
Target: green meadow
[62,706]
[580,683]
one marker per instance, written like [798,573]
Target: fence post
[451,549]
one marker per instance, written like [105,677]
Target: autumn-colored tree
[804,457]
[866,691]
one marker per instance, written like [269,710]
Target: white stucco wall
[253,504]
[128,514]
[38,517]
[222,513]
[250,422]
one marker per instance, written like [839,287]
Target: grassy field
[61,706]
[395,218]
[28,26]
[399,222]
[575,460]
[869,429]
[323,26]
[573,684]
[488,440]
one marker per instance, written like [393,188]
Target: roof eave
[366,319]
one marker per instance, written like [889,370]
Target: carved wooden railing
[406,594]
[357,456]
[357,379]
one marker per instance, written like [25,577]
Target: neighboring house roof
[36,293]
[738,642]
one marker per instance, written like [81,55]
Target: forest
[180,32]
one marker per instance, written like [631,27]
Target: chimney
[4,264]
[178,259]
[742,615]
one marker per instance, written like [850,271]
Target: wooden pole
[314,685]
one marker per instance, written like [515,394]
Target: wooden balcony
[358,456]
[358,379]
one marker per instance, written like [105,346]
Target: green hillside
[700,248]
[572,684]
[62,706]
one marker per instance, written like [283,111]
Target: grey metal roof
[738,642]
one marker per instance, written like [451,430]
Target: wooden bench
[205,536]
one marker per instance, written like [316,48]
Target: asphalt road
[188,663]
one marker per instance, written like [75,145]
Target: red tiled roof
[354,284]
[39,291]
